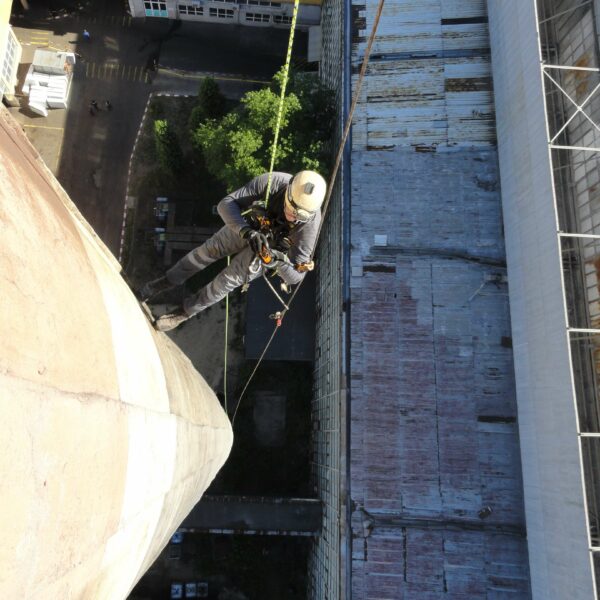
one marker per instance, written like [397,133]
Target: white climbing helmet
[305,194]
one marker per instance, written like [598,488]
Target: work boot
[171,320]
[151,288]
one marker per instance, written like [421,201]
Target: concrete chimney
[109,435]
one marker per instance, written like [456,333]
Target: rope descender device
[277,317]
[265,255]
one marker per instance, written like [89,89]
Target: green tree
[170,156]
[238,146]
[210,105]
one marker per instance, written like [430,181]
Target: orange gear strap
[303,267]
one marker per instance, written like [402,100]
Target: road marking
[242,79]
[220,76]
[113,71]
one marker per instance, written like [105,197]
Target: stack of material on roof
[37,99]
[58,88]
[48,80]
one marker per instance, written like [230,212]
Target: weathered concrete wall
[109,435]
[553,487]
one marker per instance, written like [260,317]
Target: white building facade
[258,13]
[10,55]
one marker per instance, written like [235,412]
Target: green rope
[226,345]
[286,71]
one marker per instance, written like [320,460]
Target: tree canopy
[210,104]
[237,146]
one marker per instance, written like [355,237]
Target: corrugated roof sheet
[437,101]
[429,77]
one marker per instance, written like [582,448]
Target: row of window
[187,9]
[158,6]
[227,13]
[195,10]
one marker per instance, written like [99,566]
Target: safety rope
[286,72]
[338,160]
[226,346]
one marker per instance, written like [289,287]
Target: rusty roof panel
[426,56]
[416,110]
[457,9]
[421,26]
[467,36]
[439,101]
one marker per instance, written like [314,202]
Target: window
[282,20]
[156,9]
[7,74]
[264,3]
[221,13]
[194,11]
[257,17]
[260,3]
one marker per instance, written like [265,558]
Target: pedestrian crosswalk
[114,72]
[33,37]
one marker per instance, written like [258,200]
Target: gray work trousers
[244,267]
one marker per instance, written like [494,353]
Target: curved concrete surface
[110,436]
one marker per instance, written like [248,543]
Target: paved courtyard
[90,154]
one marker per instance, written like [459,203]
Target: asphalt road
[92,157]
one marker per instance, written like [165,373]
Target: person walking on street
[107,105]
[278,237]
[94,104]
[86,35]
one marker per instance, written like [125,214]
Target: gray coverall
[245,266]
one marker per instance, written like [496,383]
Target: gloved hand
[255,238]
[278,258]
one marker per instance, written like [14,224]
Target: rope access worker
[279,236]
